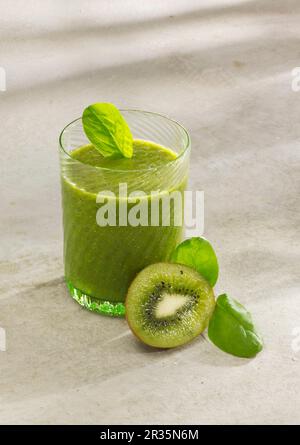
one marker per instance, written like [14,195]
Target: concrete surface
[223,68]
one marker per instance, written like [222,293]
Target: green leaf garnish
[231,329]
[107,130]
[198,253]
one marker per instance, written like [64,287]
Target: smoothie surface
[145,155]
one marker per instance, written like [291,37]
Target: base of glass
[103,307]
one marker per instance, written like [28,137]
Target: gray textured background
[223,69]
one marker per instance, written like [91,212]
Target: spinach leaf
[198,253]
[107,130]
[232,330]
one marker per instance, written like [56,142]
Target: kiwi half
[168,305]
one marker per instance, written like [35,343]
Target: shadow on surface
[80,31]
[207,67]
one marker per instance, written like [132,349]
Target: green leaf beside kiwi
[232,330]
[198,253]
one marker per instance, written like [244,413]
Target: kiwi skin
[183,331]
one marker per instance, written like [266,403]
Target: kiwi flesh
[167,305]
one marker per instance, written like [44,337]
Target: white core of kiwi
[170,304]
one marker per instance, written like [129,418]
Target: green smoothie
[102,261]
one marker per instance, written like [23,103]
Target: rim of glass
[180,155]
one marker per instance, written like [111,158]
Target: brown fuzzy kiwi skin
[179,344]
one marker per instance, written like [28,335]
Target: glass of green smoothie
[102,260]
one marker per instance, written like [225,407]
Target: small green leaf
[232,330]
[198,253]
[107,130]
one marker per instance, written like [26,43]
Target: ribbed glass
[100,262]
